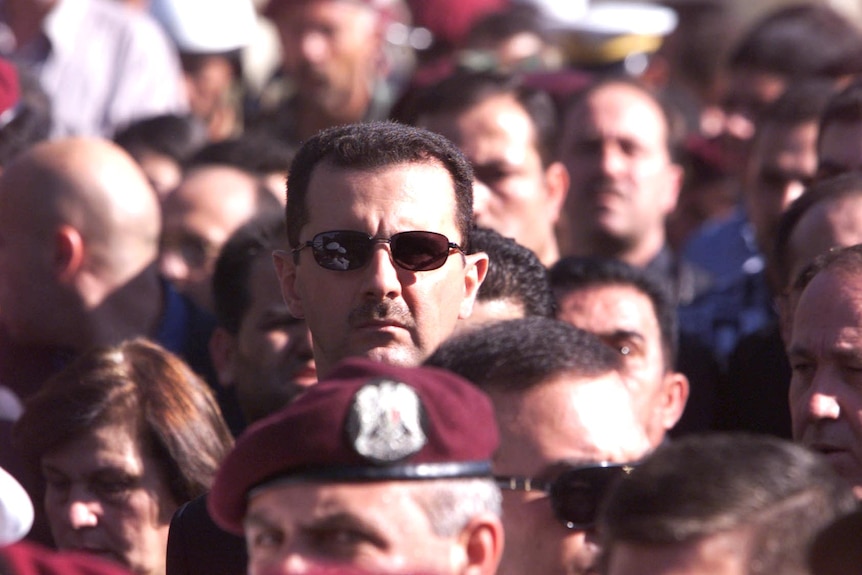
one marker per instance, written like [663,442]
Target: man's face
[783,163]
[825,354]
[839,149]
[381,311]
[567,420]
[625,319]
[623,182]
[720,554]
[198,218]
[331,49]
[107,497]
[517,199]
[274,361]
[378,527]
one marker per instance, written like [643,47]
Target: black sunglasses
[576,494]
[344,250]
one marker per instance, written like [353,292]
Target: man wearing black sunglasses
[378,219]
[568,432]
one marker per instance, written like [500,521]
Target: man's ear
[482,541]
[68,252]
[675,397]
[475,272]
[222,348]
[557,188]
[285,269]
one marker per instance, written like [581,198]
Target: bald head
[93,186]
[78,222]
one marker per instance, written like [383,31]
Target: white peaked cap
[16,510]
[206,26]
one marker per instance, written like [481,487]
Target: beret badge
[385,422]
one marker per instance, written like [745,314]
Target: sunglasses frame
[315,243]
[552,488]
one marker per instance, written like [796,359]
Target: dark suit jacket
[197,546]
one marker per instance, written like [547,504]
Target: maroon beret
[367,421]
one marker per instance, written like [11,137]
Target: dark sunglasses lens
[577,494]
[419,251]
[341,250]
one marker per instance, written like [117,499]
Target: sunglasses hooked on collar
[344,250]
[576,494]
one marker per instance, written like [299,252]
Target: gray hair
[451,503]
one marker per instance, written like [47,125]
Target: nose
[611,158]
[82,514]
[173,267]
[313,46]
[792,190]
[381,274]
[823,406]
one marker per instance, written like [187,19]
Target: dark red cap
[367,421]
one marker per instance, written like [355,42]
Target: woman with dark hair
[123,436]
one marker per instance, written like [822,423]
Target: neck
[134,309]
[314,116]
[25,18]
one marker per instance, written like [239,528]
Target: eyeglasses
[576,494]
[344,250]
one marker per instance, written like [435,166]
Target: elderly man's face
[378,527]
[381,310]
[568,421]
[623,181]
[825,355]
[331,48]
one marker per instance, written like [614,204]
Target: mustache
[392,311]
[604,186]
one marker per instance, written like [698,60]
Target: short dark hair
[801,102]
[574,273]
[256,239]
[845,107]
[514,273]
[699,486]
[374,145]
[517,354]
[256,152]
[464,89]
[176,136]
[827,190]
[139,384]
[801,40]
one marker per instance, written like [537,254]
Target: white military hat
[206,26]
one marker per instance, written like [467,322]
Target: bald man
[210,203]
[79,240]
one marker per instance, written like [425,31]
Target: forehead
[300,14]
[604,309]
[111,445]
[567,418]
[619,107]
[826,225]
[828,307]
[499,117]
[401,197]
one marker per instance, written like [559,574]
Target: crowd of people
[462,287]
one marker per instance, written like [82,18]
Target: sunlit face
[331,48]
[381,310]
[198,218]
[825,354]
[106,497]
[625,319]
[377,527]
[623,182]
[567,420]
[274,360]
[499,139]
[782,164]
[720,554]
